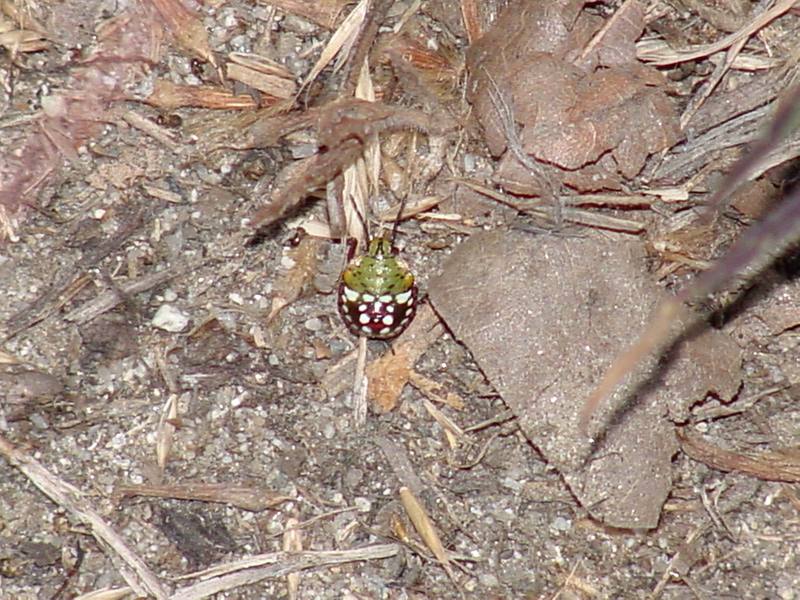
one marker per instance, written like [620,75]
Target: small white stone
[313,324]
[169,318]
[362,504]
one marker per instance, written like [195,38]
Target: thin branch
[134,570]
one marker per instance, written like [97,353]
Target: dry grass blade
[278,564]
[161,134]
[8,359]
[663,57]
[166,430]
[411,209]
[436,391]
[360,385]
[770,466]
[262,74]
[454,434]
[342,39]
[244,497]
[22,17]
[570,215]
[425,529]
[472,20]
[112,594]
[134,570]
[292,542]
[170,96]
[21,40]
[365,90]
[361,177]
[108,300]
[711,84]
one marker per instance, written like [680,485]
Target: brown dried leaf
[425,72]
[266,131]
[387,377]
[186,26]
[80,110]
[472,22]
[574,115]
[343,129]
[615,43]
[389,374]
[297,279]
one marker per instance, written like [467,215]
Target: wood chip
[781,465]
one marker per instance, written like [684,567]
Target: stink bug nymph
[377,292]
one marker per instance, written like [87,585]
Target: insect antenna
[397,218]
[359,213]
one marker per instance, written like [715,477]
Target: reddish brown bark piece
[783,465]
[577,90]
[543,318]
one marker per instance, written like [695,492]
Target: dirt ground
[145,362]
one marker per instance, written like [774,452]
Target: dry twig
[132,568]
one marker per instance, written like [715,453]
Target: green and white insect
[377,292]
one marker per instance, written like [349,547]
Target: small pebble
[313,324]
[561,524]
[170,318]
[362,504]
